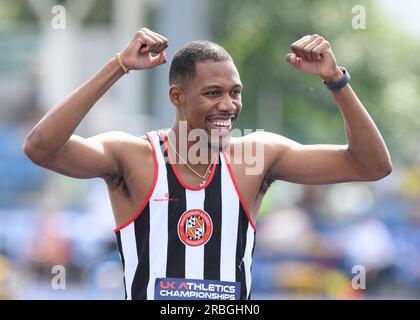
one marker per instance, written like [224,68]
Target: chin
[220,144]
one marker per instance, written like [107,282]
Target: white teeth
[221,123]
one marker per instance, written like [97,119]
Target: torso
[130,189]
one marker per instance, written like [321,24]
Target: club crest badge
[195,227]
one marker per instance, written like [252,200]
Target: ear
[176,94]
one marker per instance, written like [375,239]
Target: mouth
[221,124]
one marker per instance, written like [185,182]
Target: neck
[192,148]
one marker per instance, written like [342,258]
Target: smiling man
[186,216]
[212,102]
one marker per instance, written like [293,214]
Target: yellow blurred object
[3,271]
[411,184]
[306,279]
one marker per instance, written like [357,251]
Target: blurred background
[342,241]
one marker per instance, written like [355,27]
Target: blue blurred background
[311,240]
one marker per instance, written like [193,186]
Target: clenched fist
[313,54]
[137,55]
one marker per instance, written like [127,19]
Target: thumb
[293,59]
[159,59]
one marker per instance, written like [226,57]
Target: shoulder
[263,146]
[267,137]
[118,136]
[123,143]
[129,151]
[121,139]
[268,140]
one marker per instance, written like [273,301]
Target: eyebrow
[213,87]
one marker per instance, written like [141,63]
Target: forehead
[223,73]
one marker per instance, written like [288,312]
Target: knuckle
[143,31]
[294,47]
[309,47]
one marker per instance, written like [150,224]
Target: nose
[226,105]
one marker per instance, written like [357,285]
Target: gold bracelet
[121,63]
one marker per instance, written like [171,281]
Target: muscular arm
[52,144]
[365,157]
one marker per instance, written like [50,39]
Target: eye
[235,93]
[212,93]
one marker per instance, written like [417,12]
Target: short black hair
[184,61]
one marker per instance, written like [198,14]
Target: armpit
[117,182]
[266,183]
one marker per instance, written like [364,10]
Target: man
[186,228]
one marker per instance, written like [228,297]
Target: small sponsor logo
[195,227]
[165,198]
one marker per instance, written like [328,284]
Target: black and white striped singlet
[188,243]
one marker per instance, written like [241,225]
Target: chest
[170,183]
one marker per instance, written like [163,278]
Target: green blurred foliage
[14,13]
[382,61]
[100,13]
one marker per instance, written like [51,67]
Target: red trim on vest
[143,205]
[178,176]
[239,194]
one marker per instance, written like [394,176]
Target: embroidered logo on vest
[195,227]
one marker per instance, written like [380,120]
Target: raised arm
[365,157]
[52,144]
